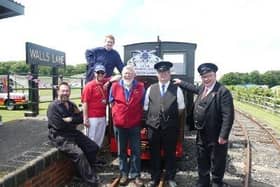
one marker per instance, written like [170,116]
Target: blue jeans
[131,136]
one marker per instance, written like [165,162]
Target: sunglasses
[100,72]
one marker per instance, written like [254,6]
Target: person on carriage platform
[163,104]
[109,57]
[213,118]
[126,99]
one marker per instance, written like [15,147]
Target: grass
[261,115]
[45,95]
[19,113]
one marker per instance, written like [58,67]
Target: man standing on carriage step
[164,102]
[213,118]
[106,55]
[63,118]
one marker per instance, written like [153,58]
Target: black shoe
[172,183]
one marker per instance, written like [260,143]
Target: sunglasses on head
[100,72]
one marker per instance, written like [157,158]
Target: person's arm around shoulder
[185,85]
[112,79]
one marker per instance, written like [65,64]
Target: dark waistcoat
[163,110]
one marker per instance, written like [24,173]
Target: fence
[12,85]
[268,103]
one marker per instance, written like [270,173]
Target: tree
[19,67]
[271,78]
[231,79]
[255,78]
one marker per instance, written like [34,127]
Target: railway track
[261,152]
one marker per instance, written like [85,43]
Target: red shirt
[94,95]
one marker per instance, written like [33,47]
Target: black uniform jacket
[218,115]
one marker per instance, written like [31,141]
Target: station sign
[40,55]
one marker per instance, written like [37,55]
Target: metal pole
[8,86]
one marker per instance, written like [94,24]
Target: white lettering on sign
[39,55]
[45,56]
[58,59]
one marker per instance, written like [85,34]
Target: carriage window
[179,66]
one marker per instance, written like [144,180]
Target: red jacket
[127,114]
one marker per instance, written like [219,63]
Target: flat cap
[206,68]
[163,66]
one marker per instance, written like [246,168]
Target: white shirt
[180,96]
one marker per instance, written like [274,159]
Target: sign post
[40,55]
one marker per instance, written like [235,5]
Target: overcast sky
[237,35]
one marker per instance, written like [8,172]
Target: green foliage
[20,67]
[270,78]
[253,90]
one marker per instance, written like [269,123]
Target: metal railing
[268,103]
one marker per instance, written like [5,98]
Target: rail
[246,129]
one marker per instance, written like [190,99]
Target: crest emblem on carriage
[144,61]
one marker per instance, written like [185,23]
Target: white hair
[129,67]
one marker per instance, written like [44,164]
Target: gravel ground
[266,171]
[186,172]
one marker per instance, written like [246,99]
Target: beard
[64,98]
[127,82]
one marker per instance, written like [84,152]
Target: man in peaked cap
[163,66]
[213,118]
[207,67]
[163,103]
